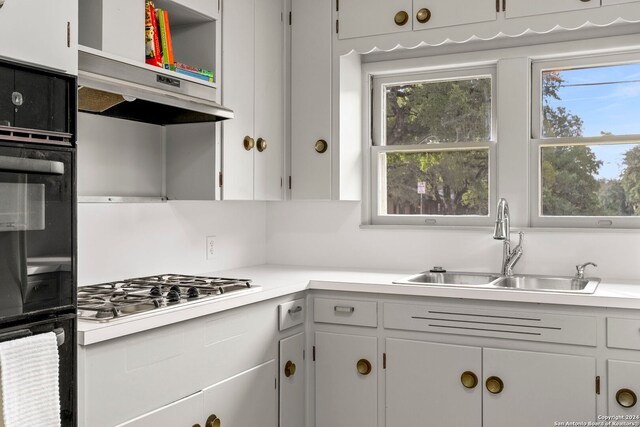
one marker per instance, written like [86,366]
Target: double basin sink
[494,281]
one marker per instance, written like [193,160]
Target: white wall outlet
[211,247]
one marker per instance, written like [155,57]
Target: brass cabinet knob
[363,366]
[626,398]
[248,143]
[401,18]
[261,145]
[423,15]
[196,425]
[213,421]
[494,385]
[321,146]
[469,379]
[289,369]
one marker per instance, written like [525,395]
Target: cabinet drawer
[623,333]
[345,312]
[291,314]
[521,325]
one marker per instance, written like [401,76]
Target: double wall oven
[38,214]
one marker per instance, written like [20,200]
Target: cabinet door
[247,399]
[292,383]
[361,18]
[520,8]
[238,73]
[424,383]
[538,388]
[311,37]
[623,387]
[269,99]
[35,32]
[452,12]
[183,413]
[345,397]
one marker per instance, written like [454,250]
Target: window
[586,142]
[433,148]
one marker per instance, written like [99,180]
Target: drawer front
[623,333]
[528,326]
[345,312]
[291,314]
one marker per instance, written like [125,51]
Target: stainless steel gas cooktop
[114,300]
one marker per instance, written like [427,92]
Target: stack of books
[158,46]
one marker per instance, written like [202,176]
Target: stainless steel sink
[549,284]
[450,279]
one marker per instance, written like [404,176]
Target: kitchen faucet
[503,232]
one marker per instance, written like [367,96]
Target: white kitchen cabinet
[346,380]
[253,86]
[311,37]
[428,14]
[185,412]
[40,32]
[522,8]
[247,399]
[614,2]
[623,388]
[424,382]
[292,381]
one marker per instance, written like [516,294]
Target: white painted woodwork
[345,312]
[453,12]
[539,388]
[614,2]
[312,32]
[247,399]
[185,412]
[346,181]
[345,398]
[522,325]
[621,375]
[423,384]
[269,99]
[292,388]
[208,8]
[361,18]
[238,89]
[623,333]
[521,8]
[35,32]
[291,313]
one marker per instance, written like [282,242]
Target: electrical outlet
[211,247]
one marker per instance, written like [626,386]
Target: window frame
[377,121]
[538,142]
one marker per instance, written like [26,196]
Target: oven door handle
[20,164]
[23,333]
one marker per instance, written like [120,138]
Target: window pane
[594,180]
[443,111]
[591,101]
[451,183]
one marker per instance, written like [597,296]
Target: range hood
[118,87]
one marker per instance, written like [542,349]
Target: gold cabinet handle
[401,18]
[289,369]
[261,145]
[363,366]
[494,385]
[469,379]
[248,143]
[423,16]
[321,146]
[626,398]
[213,421]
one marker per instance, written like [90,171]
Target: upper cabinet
[40,32]
[253,86]
[520,8]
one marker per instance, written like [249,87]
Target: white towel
[29,382]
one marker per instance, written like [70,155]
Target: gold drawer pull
[321,146]
[626,398]
[248,143]
[494,385]
[401,18]
[343,309]
[363,366]
[261,145]
[469,379]
[423,16]
[289,369]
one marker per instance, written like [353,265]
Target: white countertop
[279,280]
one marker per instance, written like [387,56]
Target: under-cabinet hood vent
[121,88]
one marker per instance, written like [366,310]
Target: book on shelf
[196,75]
[152,40]
[191,68]
[167,49]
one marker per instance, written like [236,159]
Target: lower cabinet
[183,413]
[346,380]
[623,389]
[292,381]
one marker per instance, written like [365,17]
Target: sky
[607,99]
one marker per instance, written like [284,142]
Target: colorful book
[164,45]
[167,29]
[152,42]
[191,68]
[196,75]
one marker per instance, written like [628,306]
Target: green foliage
[631,179]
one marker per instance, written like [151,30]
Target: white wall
[118,241]
[329,234]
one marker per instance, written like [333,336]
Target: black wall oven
[38,214]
